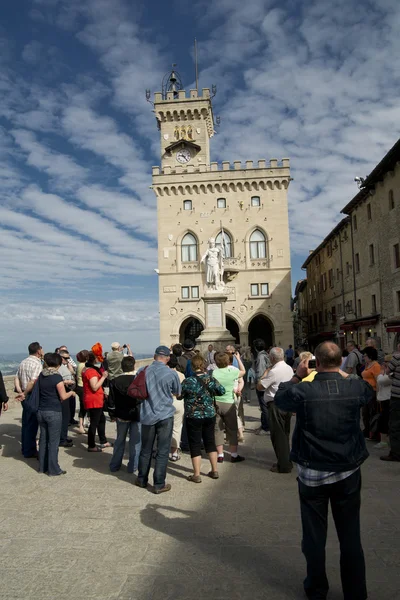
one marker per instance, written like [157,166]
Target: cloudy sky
[314,80]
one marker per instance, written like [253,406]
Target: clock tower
[240,209]
[186,125]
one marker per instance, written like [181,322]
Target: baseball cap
[162,351]
[115,345]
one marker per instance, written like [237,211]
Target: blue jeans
[123,427]
[163,432]
[50,431]
[264,411]
[28,430]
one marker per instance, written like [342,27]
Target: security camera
[157,271]
[357,179]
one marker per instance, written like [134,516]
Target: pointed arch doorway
[190,329]
[261,327]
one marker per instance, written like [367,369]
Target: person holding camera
[114,359]
[328,447]
[279,420]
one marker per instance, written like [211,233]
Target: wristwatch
[297,377]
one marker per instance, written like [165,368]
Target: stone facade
[196,198]
[354,275]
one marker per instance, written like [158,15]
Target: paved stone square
[93,535]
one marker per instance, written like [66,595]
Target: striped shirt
[394,368]
[162,384]
[314,478]
[30,368]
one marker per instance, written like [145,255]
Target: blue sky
[316,81]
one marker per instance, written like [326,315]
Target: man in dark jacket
[126,411]
[329,447]
[261,366]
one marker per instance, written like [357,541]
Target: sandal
[213,474]
[106,445]
[96,449]
[194,478]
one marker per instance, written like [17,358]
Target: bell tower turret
[186,123]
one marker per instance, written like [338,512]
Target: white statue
[214,260]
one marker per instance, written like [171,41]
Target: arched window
[391,200]
[187,205]
[258,245]
[255,201]
[225,243]
[189,248]
[221,202]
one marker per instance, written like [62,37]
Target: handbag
[208,392]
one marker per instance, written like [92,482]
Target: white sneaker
[381,445]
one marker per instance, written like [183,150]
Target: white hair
[277,354]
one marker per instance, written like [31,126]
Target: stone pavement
[93,535]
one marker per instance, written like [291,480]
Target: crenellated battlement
[182,95]
[225,166]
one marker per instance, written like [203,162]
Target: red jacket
[92,399]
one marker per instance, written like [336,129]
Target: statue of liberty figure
[214,259]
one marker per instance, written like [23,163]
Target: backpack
[138,387]
[359,365]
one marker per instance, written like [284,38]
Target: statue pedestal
[215,332]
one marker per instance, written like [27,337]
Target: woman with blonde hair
[227,375]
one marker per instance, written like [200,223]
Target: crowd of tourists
[184,400]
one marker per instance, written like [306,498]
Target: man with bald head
[328,447]
[279,420]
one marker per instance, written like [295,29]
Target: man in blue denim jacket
[329,447]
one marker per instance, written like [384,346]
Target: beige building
[243,207]
[353,277]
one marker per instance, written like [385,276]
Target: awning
[348,326]
[393,329]
[366,323]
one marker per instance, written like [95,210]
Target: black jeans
[368,411]
[345,499]
[72,408]
[264,410]
[279,422]
[198,429]
[28,430]
[65,421]
[383,425]
[97,422]
[394,427]
[79,393]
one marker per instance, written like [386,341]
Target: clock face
[183,156]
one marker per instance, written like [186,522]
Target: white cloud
[32,52]
[79,325]
[64,169]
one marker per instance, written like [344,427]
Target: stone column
[215,332]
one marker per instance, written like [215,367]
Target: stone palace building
[242,207]
[352,290]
